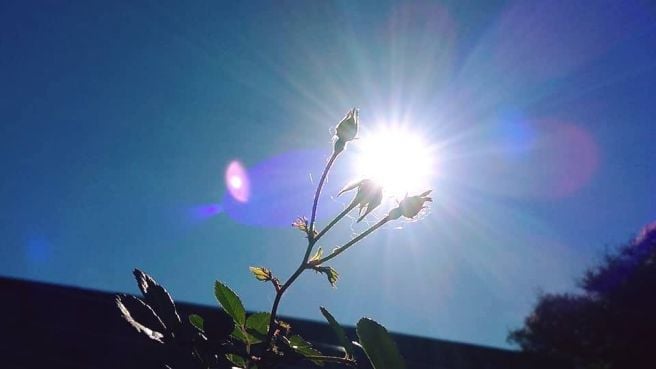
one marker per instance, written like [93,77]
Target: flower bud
[368,197]
[347,129]
[409,207]
[301,223]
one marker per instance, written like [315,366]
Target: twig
[352,242]
[334,221]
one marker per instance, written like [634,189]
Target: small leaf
[378,345]
[316,257]
[304,348]
[230,303]
[239,335]
[301,223]
[258,322]
[197,321]
[159,300]
[339,331]
[236,360]
[332,276]
[247,338]
[152,334]
[330,273]
[261,273]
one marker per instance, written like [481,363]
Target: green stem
[318,192]
[308,250]
[334,221]
[352,242]
[276,301]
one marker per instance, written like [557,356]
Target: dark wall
[49,326]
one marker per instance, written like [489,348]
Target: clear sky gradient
[119,119]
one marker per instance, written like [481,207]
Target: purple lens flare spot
[205,211]
[237,182]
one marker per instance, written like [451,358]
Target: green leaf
[197,321]
[339,331]
[330,273]
[248,338]
[230,303]
[316,257]
[304,348]
[301,223]
[378,345]
[258,322]
[238,334]
[237,360]
[261,273]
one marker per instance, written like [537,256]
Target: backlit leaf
[151,333]
[378,345]
[159,300]
[304,348]
[316,257]
[248,338]
[197,321]
[230,303]
[258,322]
[261,273]
[330,273]
[236,360]
[339,331]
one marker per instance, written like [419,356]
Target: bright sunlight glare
[398,159]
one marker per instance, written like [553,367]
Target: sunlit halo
[398,159]
[235,182]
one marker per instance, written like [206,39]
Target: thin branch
[318,192]
[334,221]
[352,242]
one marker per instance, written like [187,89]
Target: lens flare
[237,182]
[205,211]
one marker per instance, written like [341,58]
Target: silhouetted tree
[612,324]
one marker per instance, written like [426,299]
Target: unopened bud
[409,207]
[347,129]
[368,197]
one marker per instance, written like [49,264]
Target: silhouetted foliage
[612,324]
[260,340]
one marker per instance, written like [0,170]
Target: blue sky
[118,121]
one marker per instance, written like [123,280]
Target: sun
[397,158]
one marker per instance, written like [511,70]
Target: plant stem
[308,250]
[318,193]
[276,301]
[352,242]
[334,221]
